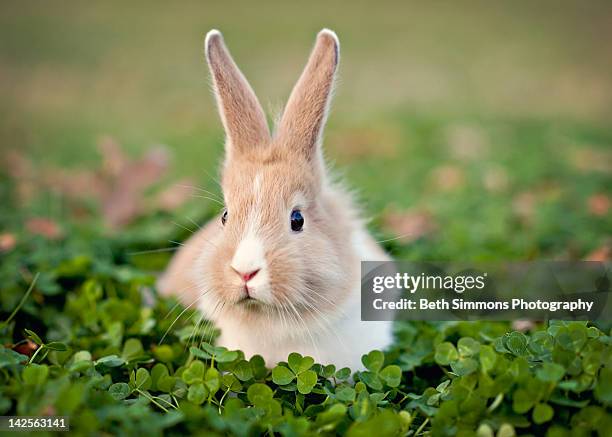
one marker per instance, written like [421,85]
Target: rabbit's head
[284,235]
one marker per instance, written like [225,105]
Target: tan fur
[243,119]
[311,290]
[302,121]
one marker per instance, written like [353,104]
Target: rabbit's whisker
[193,221]
[399,237]
[183,227]
[209,198]
[194,187]
[162,249]
[179,316]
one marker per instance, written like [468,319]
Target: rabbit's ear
[243,118]
[302,122]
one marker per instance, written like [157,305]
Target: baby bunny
[279,270]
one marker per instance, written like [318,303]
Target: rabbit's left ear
[243,118]
[302,122]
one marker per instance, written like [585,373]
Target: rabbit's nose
[248,275]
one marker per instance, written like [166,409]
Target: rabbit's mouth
[247,300]
[250,305]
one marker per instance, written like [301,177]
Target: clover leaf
[299,364]
[120,390]
[516,342]
[259,393]
[343,373]
[35,374]
[132,349]
[299,369]
[446,353]
[392,375]
[542,413]
[522,401]
[194,373]
[464,366]
[212,380]
[373,361]
[197,393]
[243,371]
[143,379]
[488,358]
[468,347]
[603,391]
[345,393]
[550,372]
[306,381]
[282,376]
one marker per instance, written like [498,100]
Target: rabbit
[278,271]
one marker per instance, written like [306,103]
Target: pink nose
[247,276]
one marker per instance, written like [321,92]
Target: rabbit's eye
[297,220]
[224,217]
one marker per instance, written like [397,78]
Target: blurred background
[475,129]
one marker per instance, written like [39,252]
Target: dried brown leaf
[599,204]
[17,165]
[119,185]
[467,143]
[601,254]
[114,160]
[495,179]
[523,325]
[74,184]
[524,206]
[409,225]
[27,348]
[124,201]
[175,195]
[45,227]
[447,177]
[21,170]
[8,242]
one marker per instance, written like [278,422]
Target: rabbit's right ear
[302,122]
[243,118]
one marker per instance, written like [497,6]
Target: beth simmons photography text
[459,284]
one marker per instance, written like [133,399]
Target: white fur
[257,194]
[325,31]
[249,255]
[342,343]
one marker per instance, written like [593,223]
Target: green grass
[531,82]
[492,120]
